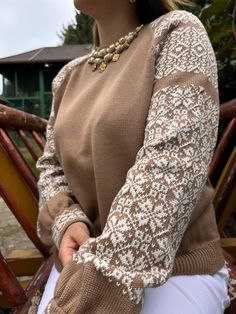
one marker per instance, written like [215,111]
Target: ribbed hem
[81,289]
[205,260]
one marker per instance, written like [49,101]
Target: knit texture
[128,153]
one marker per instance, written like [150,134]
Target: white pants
[198,294]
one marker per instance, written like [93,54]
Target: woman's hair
[148,11]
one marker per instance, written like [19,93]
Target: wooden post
[28,144]
[37,139]
[9,285]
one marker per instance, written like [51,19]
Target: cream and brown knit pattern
[63,220]
[143,231]
[151,212]
[192,54]
[52,179]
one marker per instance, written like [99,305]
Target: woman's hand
[75,235]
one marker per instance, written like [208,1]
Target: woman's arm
[151,212]
[58,207]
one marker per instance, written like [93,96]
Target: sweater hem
[207,259]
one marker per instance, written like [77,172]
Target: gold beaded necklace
[100,57]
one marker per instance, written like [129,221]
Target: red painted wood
[18,160]
[28,144]
[221,146]
[228,109]
[11,119]
[9,285]
[37,139]
[36,286]
[14,119]
[223,198]
[24,221]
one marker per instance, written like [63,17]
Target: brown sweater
[127,153]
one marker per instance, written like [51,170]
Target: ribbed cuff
[64,220]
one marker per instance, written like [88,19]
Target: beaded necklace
[100,57]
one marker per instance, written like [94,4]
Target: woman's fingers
[67,248]
[79,234]
[75,235]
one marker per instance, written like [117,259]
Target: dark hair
[148,11]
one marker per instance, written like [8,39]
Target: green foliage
[218,16]
[79,32]
[29,160]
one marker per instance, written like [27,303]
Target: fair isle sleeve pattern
[55,197]
[193,54]
[52,179]
[150,213]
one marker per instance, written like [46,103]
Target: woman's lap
[198,294]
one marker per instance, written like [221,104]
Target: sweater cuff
[65,219]
[83,289]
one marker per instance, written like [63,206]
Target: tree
[78,32]
[218,16]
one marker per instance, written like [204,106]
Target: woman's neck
[114,27]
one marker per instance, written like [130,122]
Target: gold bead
[121,40]
[95,54]
[94,67]
[102,67]
[91,60]
[108,57]
[139,28]
[129,39]
[126,45]
[115,57]
[111,48]
[102,53]
[97,61]
[120,48]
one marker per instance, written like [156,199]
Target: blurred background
[34,39]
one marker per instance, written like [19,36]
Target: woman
[124,194]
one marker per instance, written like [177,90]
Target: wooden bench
[19,190]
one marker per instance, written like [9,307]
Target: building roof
[49,54]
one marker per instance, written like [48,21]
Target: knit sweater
[127,153]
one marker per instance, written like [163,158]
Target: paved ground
[12,235]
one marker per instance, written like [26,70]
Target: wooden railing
[22,138]
[228,117]
[222,171]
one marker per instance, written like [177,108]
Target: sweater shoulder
[175,19]
[181,45]
[65,72]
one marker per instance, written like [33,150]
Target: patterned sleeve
[58,207]
[150,213]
